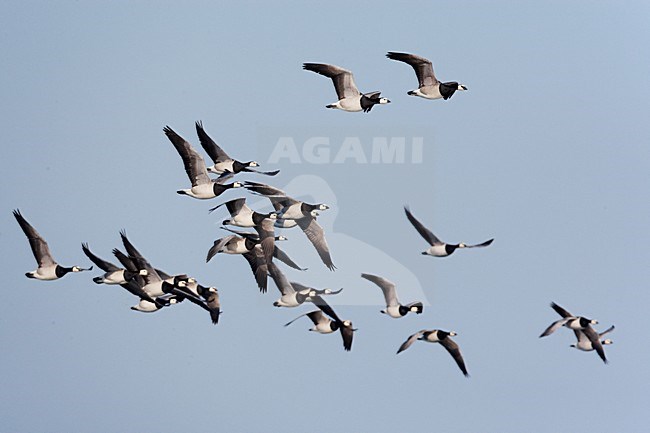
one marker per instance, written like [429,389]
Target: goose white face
[461,87]
[327,291]
[172,301]
[608,341]
[594,322]
[253,164]
[273,216]
[314,213]
[347,323]
[143,272]
[212,290]
[182,284]
[237,185]
[384,101]
[453,334]
[76,269]
[282,238]
[323,207]
[191,280]
[461,245]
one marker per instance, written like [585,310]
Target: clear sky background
[548,152]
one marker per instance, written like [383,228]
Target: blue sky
[547,152]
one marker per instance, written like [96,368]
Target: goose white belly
[242,220]
[432,338]
[437,251]
[145,307]
[288,301]
[284,223]
[237,248]
[352,104]
[115,277]
[292,212]
[393,311]
[429,92]
[323,328]
[203,191]
[46,274]
[585,346]
[154,289]
[223,166]
[573,324]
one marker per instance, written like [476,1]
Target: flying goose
[325,325]
[289,296]
[241,215]
[250,250]
[230,244]
[291,208]
[322,323]
[205,297]
[429,86]
[350,99]
[576,323]
[47,269]
[222,162]
[147,304]
[282,223]
[302,213]
[202,186]
[344,326]
[438,336]
[393,308]
[155,279]
[254,239]
[568,320]
[151,307]
[294,294]
[135,286]
[248,245]
[584,343]
[112,274]
[438,248]
[315,292]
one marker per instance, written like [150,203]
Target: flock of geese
[156,289]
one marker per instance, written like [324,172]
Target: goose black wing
[38,245]
[216,153]
[454,351]
[342,78]
[423,67]
[101,264]
[424,232]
